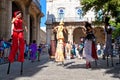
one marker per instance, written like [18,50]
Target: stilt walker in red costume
[17,40]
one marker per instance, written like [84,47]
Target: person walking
[39,51]
[68,48]
[98,49]
[77,48]
[33,48]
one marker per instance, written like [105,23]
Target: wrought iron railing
[69,19]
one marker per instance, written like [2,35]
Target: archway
[99,34]
[15,7]
[31,29]
[78,34]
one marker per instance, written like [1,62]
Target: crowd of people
[73,50]
[31,51]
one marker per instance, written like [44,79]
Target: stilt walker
[17,40]
[108,44]
[89,49]
[59,55]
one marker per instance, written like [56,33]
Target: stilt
[119,60]
[107,61]
[21,71]
[96,63]
[8,71]
[112,60]
[62,63]
[88,64]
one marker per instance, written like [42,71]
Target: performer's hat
[16,13]
[87,24]
[61,22]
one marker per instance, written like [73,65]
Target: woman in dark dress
[89,45]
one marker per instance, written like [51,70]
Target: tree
[108,7]
[116,32]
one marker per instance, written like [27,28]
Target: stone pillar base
[53,48]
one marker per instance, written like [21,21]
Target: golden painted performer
[59,54]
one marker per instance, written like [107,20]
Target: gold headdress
[61,22]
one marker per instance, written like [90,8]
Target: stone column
[70,34]
[48,35]
[35,29]
[26,17]
[48,39]
[52,45]
[1,9]
[9,18]
[5,18]
[2,18]
[28,26]
[38,30]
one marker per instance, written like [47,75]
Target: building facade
[32,14]
[71,13]
[42,37]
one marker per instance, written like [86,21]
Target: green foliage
[93,4]
[113,23]
[107,6]
[116,33]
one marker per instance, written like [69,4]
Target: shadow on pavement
[29,68]
[66,64]
[101,64]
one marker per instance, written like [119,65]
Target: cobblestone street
[74,69]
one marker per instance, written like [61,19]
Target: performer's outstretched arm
[55,28]
[65,30]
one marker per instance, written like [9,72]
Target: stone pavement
[49,70]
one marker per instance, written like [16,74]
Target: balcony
[69,19]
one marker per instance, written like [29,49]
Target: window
[79,12]
[61,12]
[100,15]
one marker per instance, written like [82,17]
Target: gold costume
[59,56]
